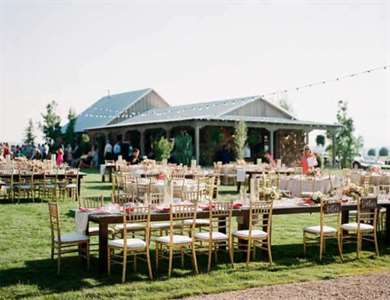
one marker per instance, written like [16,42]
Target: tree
[51,127]
[183,148]
[29,138]
[162,149]
[240,136]
[320,140]
[347,145]
[383,151]
[371,152]
[70,135]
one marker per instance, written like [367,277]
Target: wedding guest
[108,151]
[134,158]
[60,156]
[117,149]
[308,161]
[270,159]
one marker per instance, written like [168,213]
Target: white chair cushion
[131,243]
[159,225]
[130,226]
[93,230]
[215,236]
[177,239]
[256,234]
[71,186]
[197,222]
[317,229]
[354,227]
[24,186]
[72,237]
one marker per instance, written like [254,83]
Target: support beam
[197,141]
[272,142]
[142,142]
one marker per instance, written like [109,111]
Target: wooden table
[40,176]
[105,219]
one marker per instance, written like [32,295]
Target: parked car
[366,162]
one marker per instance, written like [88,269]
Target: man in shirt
[108,151]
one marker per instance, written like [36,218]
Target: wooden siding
[259,108]
[150,101]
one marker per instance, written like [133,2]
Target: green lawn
[27,271]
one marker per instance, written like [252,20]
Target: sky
[73,52]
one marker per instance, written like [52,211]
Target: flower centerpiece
[317,197]
[314,172]
[269,193]
[353,190]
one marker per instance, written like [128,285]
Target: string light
[337,79]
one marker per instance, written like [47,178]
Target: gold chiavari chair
[8,187]
[93,202]
[368,187]
[365,226]
[153,200]
[49,186]
[176,241]
[120,249]
[71,183]
[329,228]
[258,235]
[143,188]
[218,232]
[65,243]
[24,188]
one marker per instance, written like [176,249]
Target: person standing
[117,150]
[108,151]
[60,156]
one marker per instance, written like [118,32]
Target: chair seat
[130,227]
[176,239]
[306,194]
[24,187]
[131,243]
[215,236]
[50,186]
[197,222]
[72,237]
[256,234]
[160,225]
[71,186]
[94,230]
[317,229]
[354,227]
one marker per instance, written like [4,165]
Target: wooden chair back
[177,214]
[220,215]
[91,202]
[330,213]
[54,218]
[367,211]
[260,215]
[138,214]
[154,199]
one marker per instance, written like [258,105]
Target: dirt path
[372,286]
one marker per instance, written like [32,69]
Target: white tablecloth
[301,184]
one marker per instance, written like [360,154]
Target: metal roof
[183,112]
[211,111]
[106,109]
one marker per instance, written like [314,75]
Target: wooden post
[197,151]
[333,149]
[142,142]
[271,141]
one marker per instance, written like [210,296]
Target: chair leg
[210,256]
[321,246]
[248,253]
[182,257]
[194,260]
[304,244]
[149,264]
[376,244]
[231,254]
[269,246]
[339,245]
[135,263]
[52,251]
[170,261]
[358,244]
[124,267]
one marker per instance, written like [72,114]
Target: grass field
[26,270]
